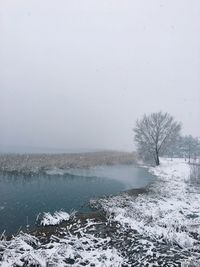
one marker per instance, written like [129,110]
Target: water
[22,198]
[129,175]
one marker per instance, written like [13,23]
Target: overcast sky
[77,74]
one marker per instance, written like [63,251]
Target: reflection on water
[22,198]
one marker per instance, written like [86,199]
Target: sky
[77,74]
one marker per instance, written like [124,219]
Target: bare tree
[154,133]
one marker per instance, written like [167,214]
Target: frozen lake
[22,198]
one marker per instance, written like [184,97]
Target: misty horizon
[78,75]
[9,149]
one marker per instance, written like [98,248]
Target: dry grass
[35,163]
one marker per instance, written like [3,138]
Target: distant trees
[154,134]
[190,147]
[186,147]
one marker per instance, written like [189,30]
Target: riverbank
[167,218]
[157,227]
[40,163]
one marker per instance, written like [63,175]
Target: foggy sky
[77,74]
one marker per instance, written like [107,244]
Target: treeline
[187,147]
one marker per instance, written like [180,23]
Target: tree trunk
[157,159]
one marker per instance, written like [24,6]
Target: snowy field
[157,228]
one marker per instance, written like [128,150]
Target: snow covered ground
[158,228]
[169,212]
[70,250]
[171,209]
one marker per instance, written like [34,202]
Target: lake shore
[40,163]
[157,227]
